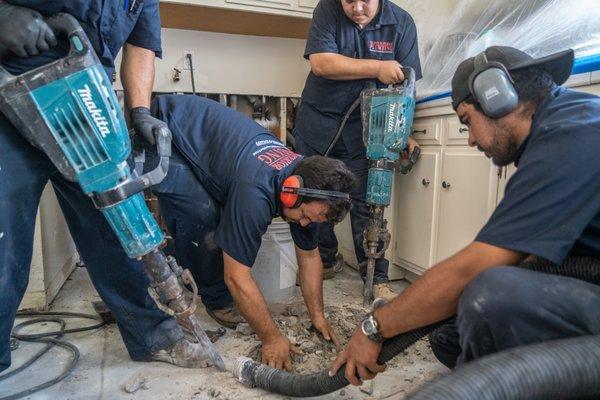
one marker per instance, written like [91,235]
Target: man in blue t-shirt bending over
[221,192]
[533,272]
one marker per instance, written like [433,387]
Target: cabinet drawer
[427,131]
[456,133]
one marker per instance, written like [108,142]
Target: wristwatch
[371,329]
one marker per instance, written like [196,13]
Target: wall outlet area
[186,59]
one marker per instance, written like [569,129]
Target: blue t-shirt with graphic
[239,163]
[391,35]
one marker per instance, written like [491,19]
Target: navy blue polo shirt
[108,24]
[391,35]
[551,207]
[239,163]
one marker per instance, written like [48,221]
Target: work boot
[339,263]
[229,317]
[383,291]
[328,272]
[183,353]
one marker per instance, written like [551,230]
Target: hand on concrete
[23,31]
[390,72]
[323,326]
[360,355]
[276,353]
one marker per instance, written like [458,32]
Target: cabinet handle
[446,185]
[423,131]
[463,130]
[425,182]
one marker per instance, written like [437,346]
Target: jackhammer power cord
[51,339]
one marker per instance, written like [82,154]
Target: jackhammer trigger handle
[66,24]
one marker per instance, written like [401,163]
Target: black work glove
[146,126]
[23,31]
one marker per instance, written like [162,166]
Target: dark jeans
[506,307]
[120,281]
[192,216]
[359,213]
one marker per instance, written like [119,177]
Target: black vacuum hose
[255,374]
[559,369]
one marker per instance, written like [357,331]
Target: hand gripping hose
[578,355]
[254,374]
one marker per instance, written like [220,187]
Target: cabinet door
[468,188]
[414,213]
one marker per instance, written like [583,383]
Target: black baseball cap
[558,65]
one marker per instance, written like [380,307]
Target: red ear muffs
[289,191]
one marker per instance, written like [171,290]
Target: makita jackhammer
[387,118]
[69,110]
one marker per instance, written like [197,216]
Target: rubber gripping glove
[23,31]
[146,126]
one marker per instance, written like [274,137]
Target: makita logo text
[95,112]
[392,118]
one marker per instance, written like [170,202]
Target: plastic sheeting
[538,27]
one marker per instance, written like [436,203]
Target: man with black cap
[549,220]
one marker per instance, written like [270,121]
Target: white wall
[227,63]
[242,64]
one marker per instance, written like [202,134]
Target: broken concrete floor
[105,371]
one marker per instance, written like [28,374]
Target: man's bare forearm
[434,296]
[137,76]
[338,67]
[311,281]
[249,299]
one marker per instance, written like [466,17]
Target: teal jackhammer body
[69,110]
[387,116]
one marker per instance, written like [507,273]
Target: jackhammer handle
[60,23]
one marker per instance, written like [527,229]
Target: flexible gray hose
[254,374]
[560,369]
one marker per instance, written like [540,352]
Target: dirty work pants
[120,281]
[506,307]
[359,213]
[192,216]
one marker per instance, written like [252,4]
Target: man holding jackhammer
[549,220]
[26,42]
[351,44]
[228,178]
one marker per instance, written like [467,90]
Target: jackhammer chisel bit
[167,280]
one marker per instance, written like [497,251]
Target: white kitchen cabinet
[468,188]
[415,211]
[448,196]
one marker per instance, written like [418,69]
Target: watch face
[369,327]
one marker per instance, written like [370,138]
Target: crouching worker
[227,179]
[548,220]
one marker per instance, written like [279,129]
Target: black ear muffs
[293,192]
[492,87]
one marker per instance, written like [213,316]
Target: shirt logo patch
[381,47]
[275,155]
